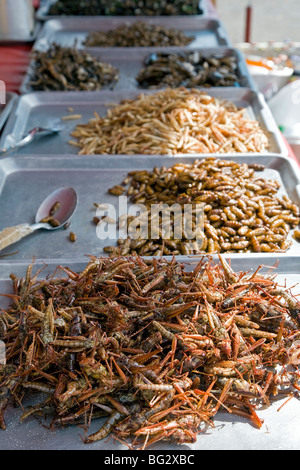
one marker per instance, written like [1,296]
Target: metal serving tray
[129,62]
[42,12]
[5,109]
[229,432]
[65,31]
[46,108]
[26,181]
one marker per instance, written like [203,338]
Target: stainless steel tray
[26,181]
[5,109]
[129,62]
[208,32]
[229,432]
[45,108]
[42,12]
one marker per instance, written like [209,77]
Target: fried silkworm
[225,225]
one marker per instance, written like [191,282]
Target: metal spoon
[29,138]
[65,199]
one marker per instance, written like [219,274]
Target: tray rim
[70,157]
[279,265]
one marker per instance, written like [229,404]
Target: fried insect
[138,34]
[235,207]
[189,69]
[69,69]
[169,122]
[72,237]
[158,355]
[130,7]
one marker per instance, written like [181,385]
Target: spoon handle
[11,235]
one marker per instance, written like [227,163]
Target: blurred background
[272,20]
[271,45]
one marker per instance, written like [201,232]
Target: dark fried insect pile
[69,69]
[128,7]
[188,69]
[139,34]
[154,347]
[242,210]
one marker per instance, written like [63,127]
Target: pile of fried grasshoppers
[154,346]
